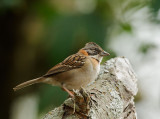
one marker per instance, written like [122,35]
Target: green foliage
[10,3]
[43,10]
[145,47]
[155,4]
[126,27]
[50,97]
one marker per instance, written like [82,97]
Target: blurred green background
[37,34]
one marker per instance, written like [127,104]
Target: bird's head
[95,51]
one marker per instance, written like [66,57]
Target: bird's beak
[104,53]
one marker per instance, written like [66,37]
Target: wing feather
[71,62]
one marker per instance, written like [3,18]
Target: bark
[111,96]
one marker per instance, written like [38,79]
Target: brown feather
[28,83]
[71,62]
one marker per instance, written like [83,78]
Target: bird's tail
[28,83]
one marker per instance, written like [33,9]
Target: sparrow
[76,71]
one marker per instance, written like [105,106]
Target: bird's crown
[93,49]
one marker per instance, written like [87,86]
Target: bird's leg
[68,91]
[70,94]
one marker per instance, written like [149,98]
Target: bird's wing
[71,62]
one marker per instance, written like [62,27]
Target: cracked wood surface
[111,96]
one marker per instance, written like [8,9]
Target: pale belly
[81,79]
[76,78]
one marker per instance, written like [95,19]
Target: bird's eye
[97,50]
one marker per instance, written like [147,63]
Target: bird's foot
[71,93]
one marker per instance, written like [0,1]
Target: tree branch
[109,97]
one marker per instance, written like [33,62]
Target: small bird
[76,71]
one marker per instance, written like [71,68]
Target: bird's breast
[80,77]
